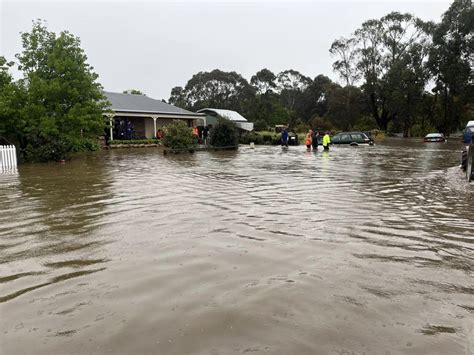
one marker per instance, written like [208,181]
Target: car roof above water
[354,132]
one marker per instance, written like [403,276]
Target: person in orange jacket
[308,140]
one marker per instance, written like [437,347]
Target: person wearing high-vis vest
[326,141]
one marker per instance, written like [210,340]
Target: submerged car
[352,138]
[435,137]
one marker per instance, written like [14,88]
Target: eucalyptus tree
[452,65]
[389,55]
[264,81]
[345,66]
[217,89]
[291,85]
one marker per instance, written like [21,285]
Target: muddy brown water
[365,250]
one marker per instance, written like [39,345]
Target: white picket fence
[7,157]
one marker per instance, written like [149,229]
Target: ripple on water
[236,252]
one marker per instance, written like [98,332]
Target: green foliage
[178,135]
[264,81]
[418,131]
[365,124]
[317,124]
[260,125]
[302,127]
[248,137]
[217,88]
[224,134]
[134,141]
[133,92]
[57,108]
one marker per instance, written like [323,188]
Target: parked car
[468,132]
[352,138]
[467,154]
[435,137]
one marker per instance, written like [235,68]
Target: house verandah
[140,117]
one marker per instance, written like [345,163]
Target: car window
[357,136]
[470,129]
[345,137]
[336,138]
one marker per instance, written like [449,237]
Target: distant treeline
[400,74]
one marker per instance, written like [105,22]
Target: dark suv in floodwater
[467,154]
[467,161]
[352,138]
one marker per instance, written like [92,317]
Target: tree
[224,134]
[337,106]
[389,55]
[291,84]
[264,81]
[347,70]
[63,103]
[178,97]
[178,135]
[11,99]
[345,66]
[451,62]
[217,89]
[312,101]
[133,92]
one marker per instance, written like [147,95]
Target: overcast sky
[154,46]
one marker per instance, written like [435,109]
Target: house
[213,113]
[144,115]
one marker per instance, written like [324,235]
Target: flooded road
[366,250]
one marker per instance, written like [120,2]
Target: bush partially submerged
[224,134]
[178,135]
[59,149]
[134,141]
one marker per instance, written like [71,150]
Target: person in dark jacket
[314,141]
[284,137]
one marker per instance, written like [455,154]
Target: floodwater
[366,250]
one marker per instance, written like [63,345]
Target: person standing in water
[314,140]
[284,137]
[326,141]
[308,140]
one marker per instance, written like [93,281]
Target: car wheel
[463,160]
[469,163]
[354,144]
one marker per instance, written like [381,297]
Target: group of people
[123,129]
[310,141]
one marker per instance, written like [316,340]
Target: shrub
[260,125]
[135,141]
[365,123]
[224,134]
[317,124]
[48,151]
[178,135]
[417,131]
[248,137]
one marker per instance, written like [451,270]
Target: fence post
[8,156]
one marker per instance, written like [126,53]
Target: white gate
[7,157]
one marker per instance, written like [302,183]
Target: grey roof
[143,104]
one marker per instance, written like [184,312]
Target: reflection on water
[357,250]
